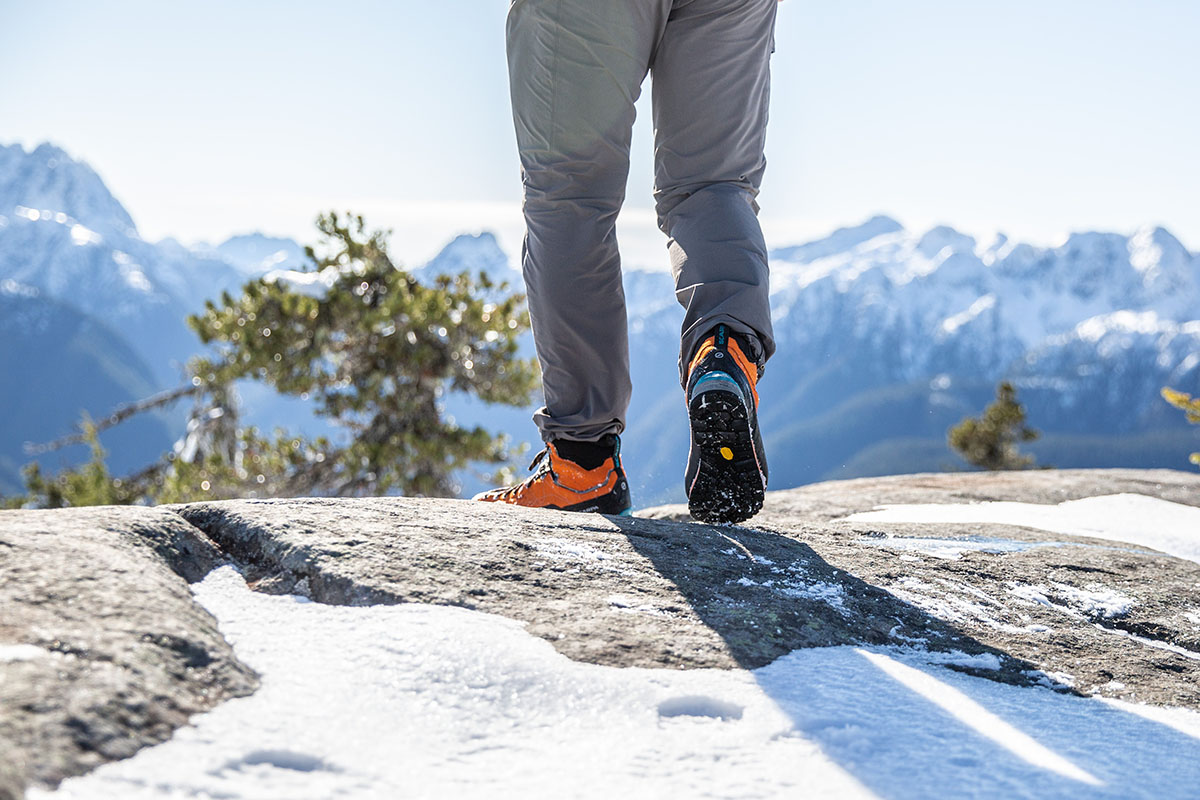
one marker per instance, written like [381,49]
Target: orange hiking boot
[562,484]
[726,475]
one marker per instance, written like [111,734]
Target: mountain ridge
[868,315]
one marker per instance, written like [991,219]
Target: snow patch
[569,550]
[1143,322]
[437,701]
[1094,602]
[961,604]
[414,700]
[313,284]
[951,325]
[81,236]
[136,279]
[1058,681]
[791,581]
[951,549]
[10,287]
[21,652]
[957,658]
[1131,518]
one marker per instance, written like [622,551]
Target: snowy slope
[81,366]
[63,233]
[65,240]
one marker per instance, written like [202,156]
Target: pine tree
[990,440]
[1190,406]
[90,484]
[377,353]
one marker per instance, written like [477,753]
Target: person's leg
[711,75]
[576,69]
[711,82]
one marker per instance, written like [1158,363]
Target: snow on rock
[1136,519]
[416,700]
[1095,600]
[1114,607]
[703,588]
[418,647]
[952,549]
[419,700]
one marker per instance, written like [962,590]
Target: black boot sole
[728,486]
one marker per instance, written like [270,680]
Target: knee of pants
[668,199]
[566,211]
[565,178]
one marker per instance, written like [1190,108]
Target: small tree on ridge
[990,440]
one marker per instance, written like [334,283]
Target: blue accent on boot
[718,381]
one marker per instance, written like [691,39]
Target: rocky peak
[256,254]
[841,240]
[471,252]
[48,182]
[938,239]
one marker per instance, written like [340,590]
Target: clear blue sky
[206,119]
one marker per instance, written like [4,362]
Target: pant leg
[711,76]
[575,70]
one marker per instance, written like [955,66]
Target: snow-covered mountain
[46,178]
[474,253]
[56,362]
[63,233]
[71,252]
[885,336]
[255,253]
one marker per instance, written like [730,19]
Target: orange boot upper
[559,483]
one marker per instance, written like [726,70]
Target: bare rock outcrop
[606,590]
[102,648]
[1096,616]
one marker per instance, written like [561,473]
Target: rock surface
[102,649]
[607,590]
[112,653]
[1100,617]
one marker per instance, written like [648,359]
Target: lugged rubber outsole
[724,490]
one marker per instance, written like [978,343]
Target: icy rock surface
[437,701]
[671,649]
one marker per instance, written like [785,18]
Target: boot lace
[542,463]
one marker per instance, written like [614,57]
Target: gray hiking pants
[575,70]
